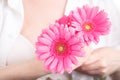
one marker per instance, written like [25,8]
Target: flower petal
[61,72]
[76,47]
[90,37]
[49,60]
[94,12]
[72,31]
[46,67]
[67,36]
[44,56]
[67,65]
[76,25]
[54,64]
[47,36]
[87,10]
[55,29]
[77,17]
[45,41]
[86,37]
[60,66]
[73,41]
[51,34]
[74,60]
[96,40]
[82,13]
[43,49]
[61,30]
[78,53]
[79,35]
[100,17]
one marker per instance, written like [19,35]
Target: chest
[38,16]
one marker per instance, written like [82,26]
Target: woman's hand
[102,62]
[81,60]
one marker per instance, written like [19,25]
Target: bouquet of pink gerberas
[61,43]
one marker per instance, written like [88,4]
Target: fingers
[98,72]
[95,67]
[92,58]
[94,61]
[99,64]
[98,68]
[94,72]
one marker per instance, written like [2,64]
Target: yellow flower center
[87,27]
[60,48]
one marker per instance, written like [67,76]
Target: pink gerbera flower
[58,47]
[91,23]
[68,21]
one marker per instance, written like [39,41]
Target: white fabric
[11,19]
[11,24]
[22,50]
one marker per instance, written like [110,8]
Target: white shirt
[11,19]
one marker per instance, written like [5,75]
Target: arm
[29,70]
[25,71]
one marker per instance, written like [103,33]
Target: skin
[29,70]
[37,15]
[103,62]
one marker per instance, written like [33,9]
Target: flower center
[68,23]
[88,27]
[60,48]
